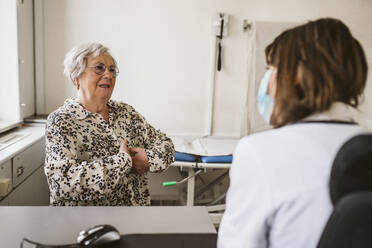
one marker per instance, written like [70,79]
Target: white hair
[76,59]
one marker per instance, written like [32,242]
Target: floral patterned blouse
[83,163]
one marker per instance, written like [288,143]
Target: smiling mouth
[104,86]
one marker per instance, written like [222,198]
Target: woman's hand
[139,160]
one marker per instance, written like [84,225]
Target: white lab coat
[278,194]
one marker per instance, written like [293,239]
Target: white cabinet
[27,162]
[6,169]
[26,169]
[32,192]
[6,173]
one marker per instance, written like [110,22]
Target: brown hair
[318,63]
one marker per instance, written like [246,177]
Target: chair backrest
[352,168]
[350,224]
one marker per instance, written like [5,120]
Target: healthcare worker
[278,194]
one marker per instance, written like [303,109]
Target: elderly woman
[98,151]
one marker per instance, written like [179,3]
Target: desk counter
[61,225]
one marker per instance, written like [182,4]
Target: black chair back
[350,225]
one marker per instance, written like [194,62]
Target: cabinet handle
[20,171]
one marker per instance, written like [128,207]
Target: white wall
[9,89]
[163,51]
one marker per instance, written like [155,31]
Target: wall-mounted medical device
[219,30]
[220,24]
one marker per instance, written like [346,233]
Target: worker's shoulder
[263,136]
[273,138]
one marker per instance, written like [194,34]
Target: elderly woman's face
[93,85]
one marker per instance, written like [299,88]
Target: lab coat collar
[338,111]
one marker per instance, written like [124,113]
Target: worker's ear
[271,89]
[298,82]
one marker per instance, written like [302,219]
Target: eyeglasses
[101,68]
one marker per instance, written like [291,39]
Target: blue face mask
[265,102]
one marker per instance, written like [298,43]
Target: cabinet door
[5,172]
[33,191]
[28,161]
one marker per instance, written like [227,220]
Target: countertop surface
[61,225]
[32,134]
